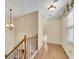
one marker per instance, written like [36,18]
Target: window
[70,27]
[71,34]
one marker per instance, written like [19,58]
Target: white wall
[56,31]
[40,31]
[26,24]
[9,37]
[52,28]
[68,46]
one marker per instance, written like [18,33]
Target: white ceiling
[21,7]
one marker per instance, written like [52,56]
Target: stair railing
[32,46]
[23,49]
[19,51]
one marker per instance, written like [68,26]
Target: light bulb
[51,9]
[11,25]
[7,25]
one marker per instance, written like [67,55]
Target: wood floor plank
[51,51]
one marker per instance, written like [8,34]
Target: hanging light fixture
[10,25]
[51,8]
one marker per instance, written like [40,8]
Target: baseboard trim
[34,55]
[53,43]
[36,52]
[64,51]
[61,47]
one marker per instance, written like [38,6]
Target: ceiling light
[51,8]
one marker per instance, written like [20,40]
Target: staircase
[23,50]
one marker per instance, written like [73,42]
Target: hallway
[51,51]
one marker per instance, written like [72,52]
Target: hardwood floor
[51,51]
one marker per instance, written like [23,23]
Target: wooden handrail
[16,46]
[25,40]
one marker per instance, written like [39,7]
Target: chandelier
[10,26]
